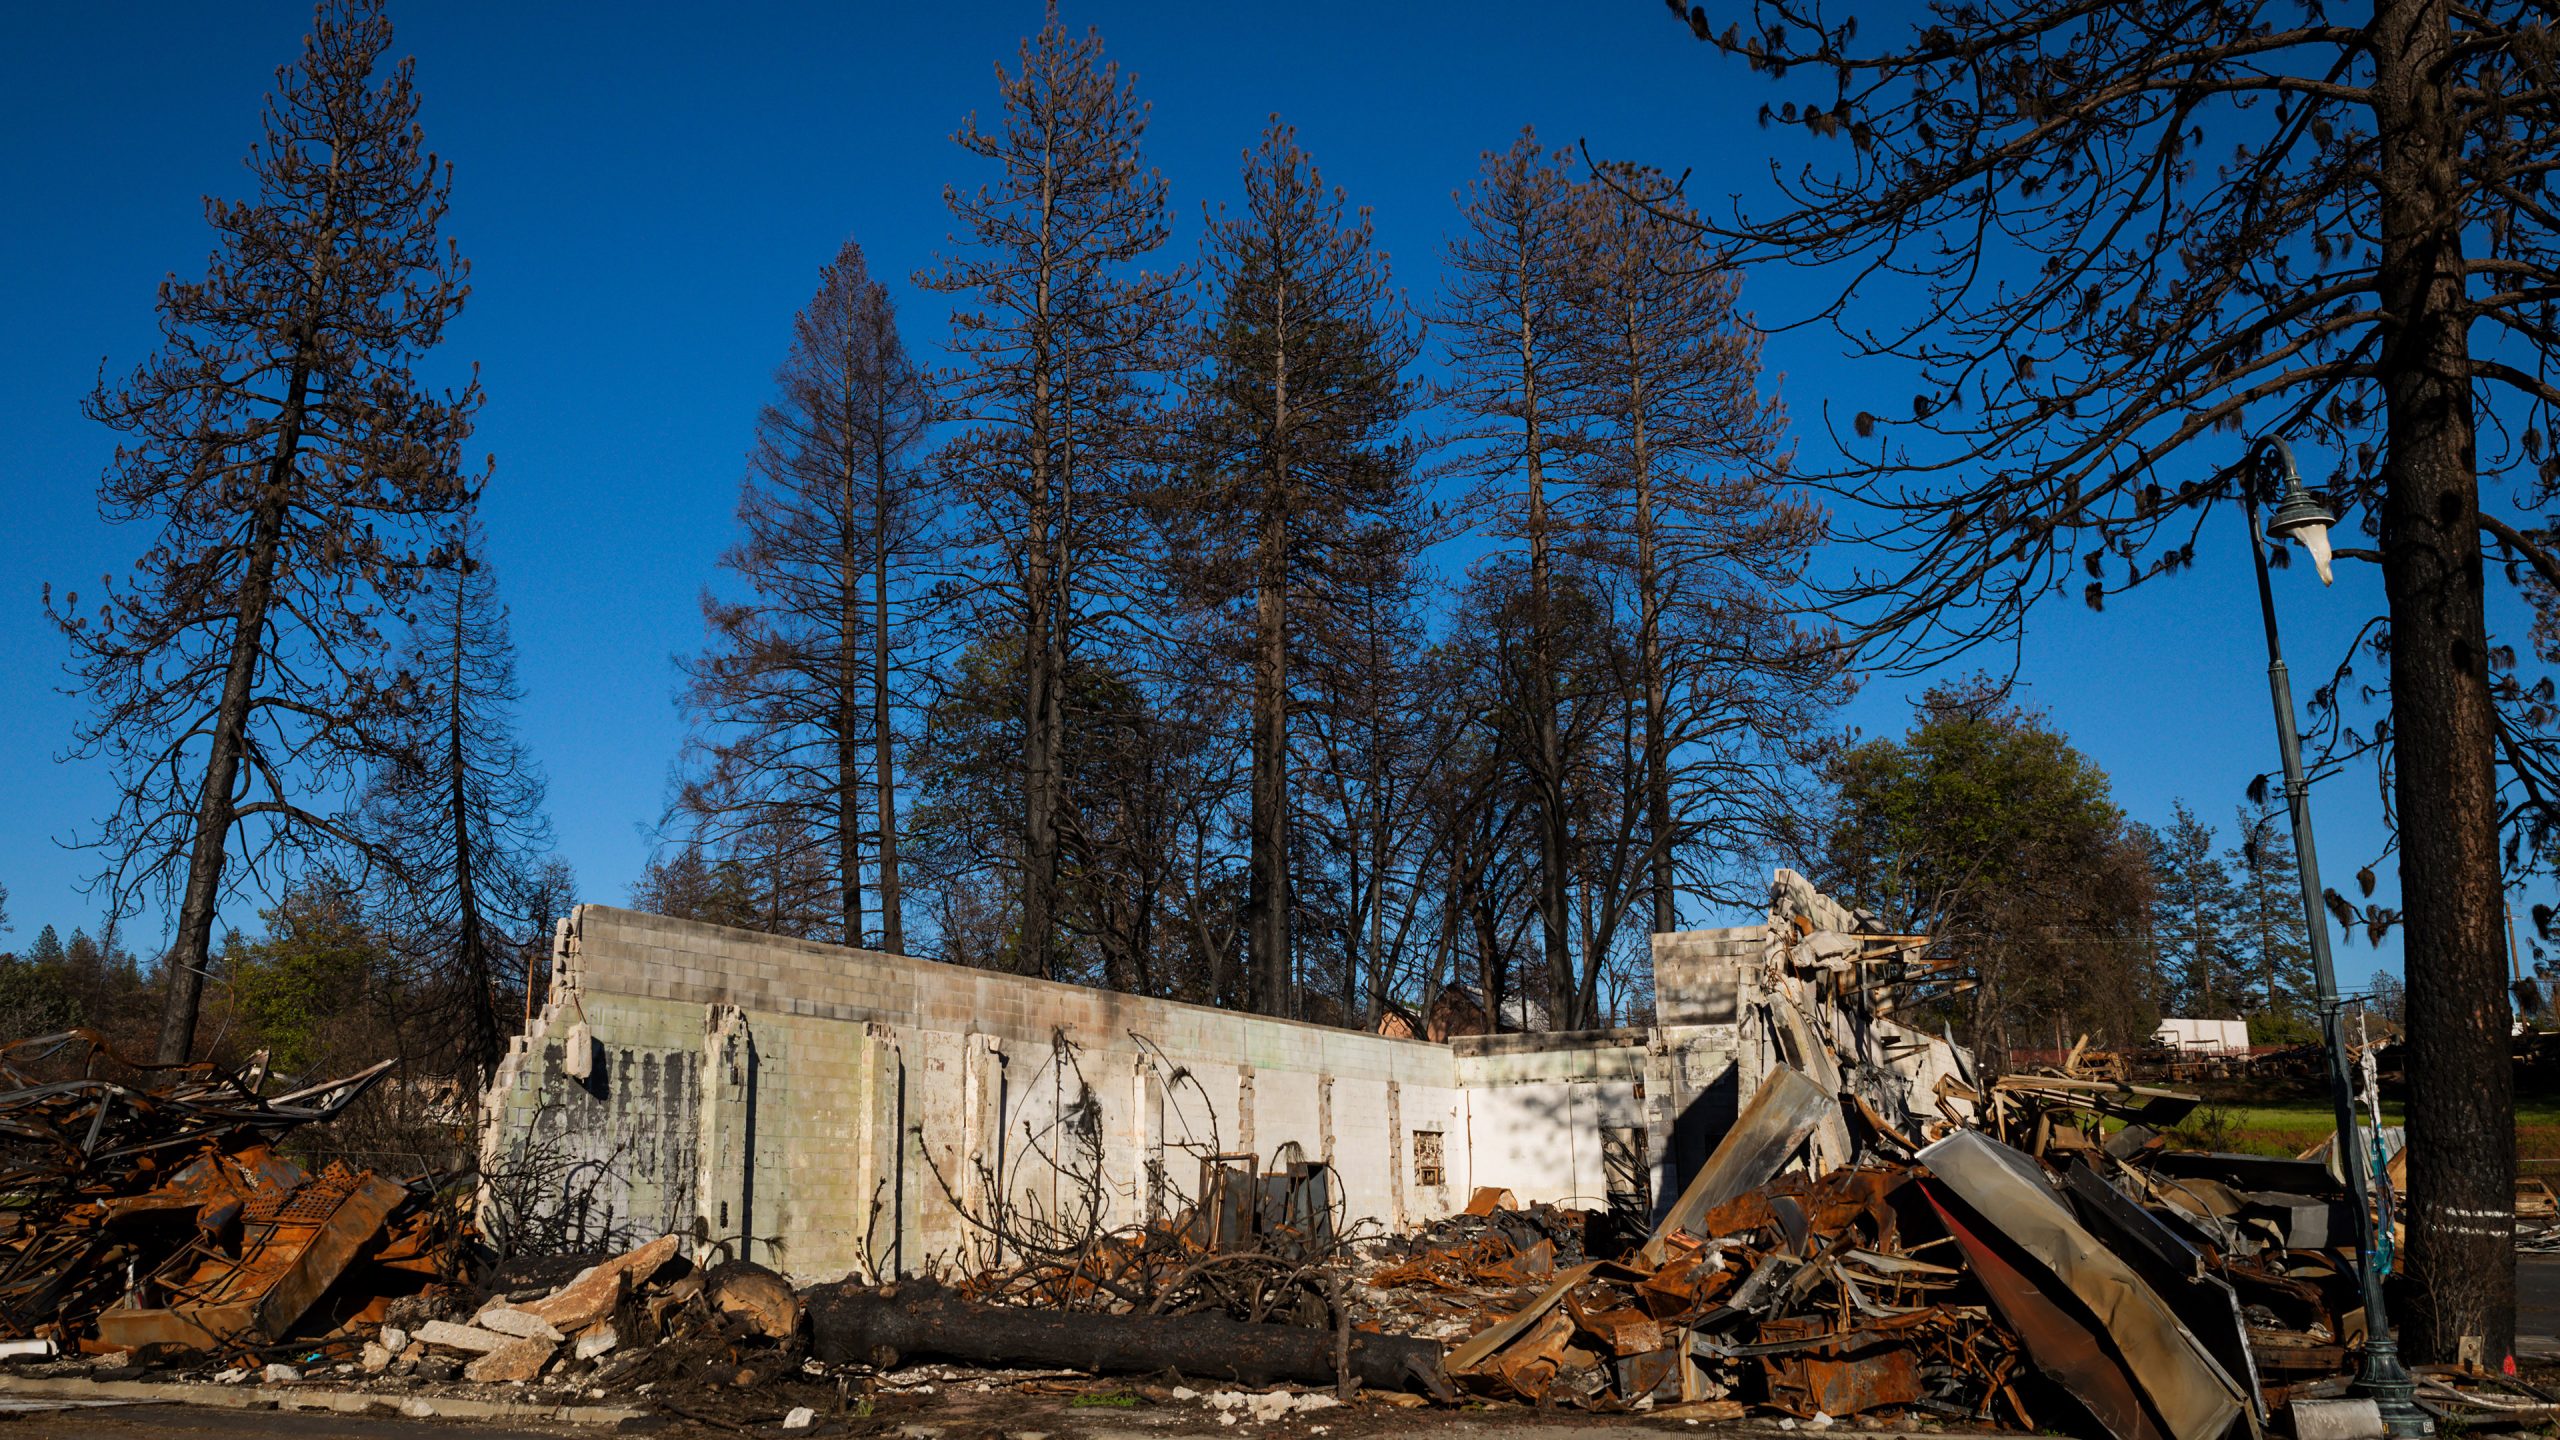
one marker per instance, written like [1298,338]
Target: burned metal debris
[163,1215]
[1971,1279]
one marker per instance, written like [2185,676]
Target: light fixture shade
[2315,538]
[2299,517]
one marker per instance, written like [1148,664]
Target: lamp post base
[2393,1391]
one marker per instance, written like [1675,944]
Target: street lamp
[2301,518]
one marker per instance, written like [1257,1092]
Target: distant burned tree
[1681,502]
[1058,335]
[2112,244]
[456,814]
[287,461]
[1301,484]
[797,698]
[1505,325]
[1367,842]
[1150,775]
[1609,393]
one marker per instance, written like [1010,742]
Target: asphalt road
[188,1422]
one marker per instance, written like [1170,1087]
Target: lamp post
[2301,518]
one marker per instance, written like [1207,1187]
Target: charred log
[853,1323]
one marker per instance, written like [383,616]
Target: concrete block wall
[827,1110]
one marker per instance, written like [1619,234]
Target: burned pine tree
[1059,336]
[797,698]
[288,460]
[1682,501]
[2112,251]
[1299,483]
[455,813]
[1503,323]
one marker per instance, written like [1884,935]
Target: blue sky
[646,194]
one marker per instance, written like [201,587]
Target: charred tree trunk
[1268,899]
[1657,757]
[191,950]
[471,951]
[2461,1093]
[856,1324]
[848,718]
[1039,759]
[893,931]
[1546,746]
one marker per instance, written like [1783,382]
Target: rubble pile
[1253,1247]
[648,1316]
[165,1218]
[2166,1295]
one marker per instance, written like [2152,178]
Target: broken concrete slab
[598,1289]
[445,1335]
[522,1324]
[515,1360]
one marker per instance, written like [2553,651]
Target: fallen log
[885,1325]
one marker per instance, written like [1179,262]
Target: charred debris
[1867,1241]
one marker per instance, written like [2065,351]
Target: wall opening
[1430,1164]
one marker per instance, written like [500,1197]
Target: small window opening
[1429,1166]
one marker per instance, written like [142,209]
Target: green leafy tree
[35,994]
[2267,925]
[297,991]
[1985,829]
[2192,916]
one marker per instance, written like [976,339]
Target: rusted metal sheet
[290,1254]
[2053,1273]
[2064,1346]
[1808,1385]
[175,1183]
[1782,1113]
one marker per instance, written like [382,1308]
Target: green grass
[2289,1127]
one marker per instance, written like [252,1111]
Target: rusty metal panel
[1782,1113]
[1812,1384]
[2073,1276]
